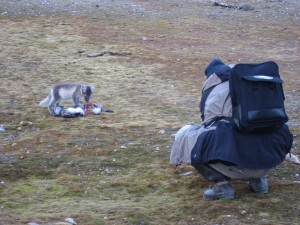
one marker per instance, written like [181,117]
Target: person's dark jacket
[225,143]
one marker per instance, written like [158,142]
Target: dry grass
[114,168]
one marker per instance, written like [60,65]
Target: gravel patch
[271,10]
[57,7]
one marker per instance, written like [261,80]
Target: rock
[70,220]
[61,223]
[264,214]
[241,6]
[93,55]
[186,173]
[162,131]
[10,138]
[245,7]
[2,128]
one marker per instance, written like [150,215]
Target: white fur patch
[66,94]
[75,110]
[97,110]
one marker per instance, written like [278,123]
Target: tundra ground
[113,168]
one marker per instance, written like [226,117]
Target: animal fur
[68,91]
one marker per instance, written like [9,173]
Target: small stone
[2,128]
[245,7]
[61,223]
[70,220]
[264,214]
[186,173]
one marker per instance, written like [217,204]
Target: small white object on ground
[186,173]
[2,128]
[97,110]
[71,221]
[292,158]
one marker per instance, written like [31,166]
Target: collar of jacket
[214,80]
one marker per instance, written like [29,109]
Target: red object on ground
[88,106]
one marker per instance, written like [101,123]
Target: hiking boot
[259,185]
[223,191]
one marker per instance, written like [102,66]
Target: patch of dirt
[146,60]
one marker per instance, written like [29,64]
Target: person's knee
[209,173]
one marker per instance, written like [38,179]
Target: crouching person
[218,151]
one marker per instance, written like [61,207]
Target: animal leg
[52,106]
[76,102]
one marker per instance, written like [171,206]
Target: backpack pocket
[262,104]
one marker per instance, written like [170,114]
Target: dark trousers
[210,173]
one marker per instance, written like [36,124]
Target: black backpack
[257,97]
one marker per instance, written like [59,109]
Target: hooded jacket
[217,140]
